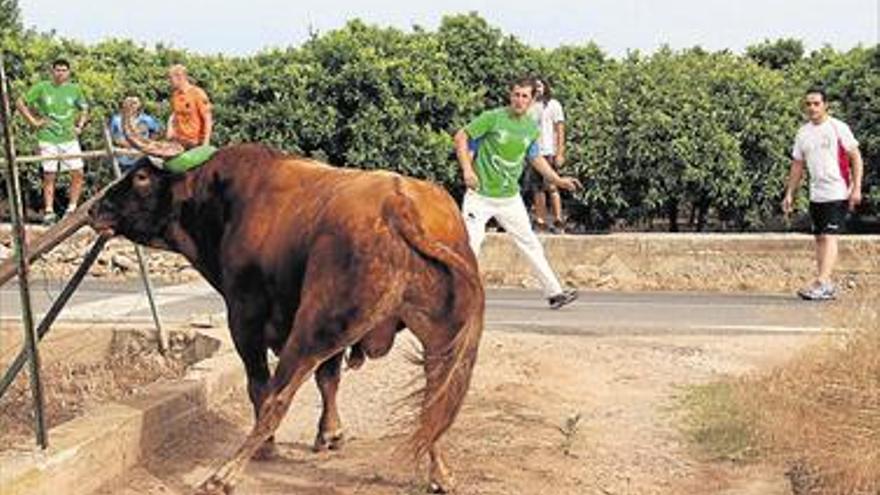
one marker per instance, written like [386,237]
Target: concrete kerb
[101,446]
[680,262]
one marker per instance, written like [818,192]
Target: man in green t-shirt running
[506,136]
[58,110]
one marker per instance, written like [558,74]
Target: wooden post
[17,211]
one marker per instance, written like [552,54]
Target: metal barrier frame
[24,256]
[16,209]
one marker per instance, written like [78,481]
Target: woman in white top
[547,112]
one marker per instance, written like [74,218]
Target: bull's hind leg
[448,362]
[375,344]
[433,417]
[330,434]
[272,411]
[450,335]
[301,356]
[325,324]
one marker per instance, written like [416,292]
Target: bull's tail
[449,368]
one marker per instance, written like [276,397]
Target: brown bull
[312,260]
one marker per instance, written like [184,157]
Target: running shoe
[565,297]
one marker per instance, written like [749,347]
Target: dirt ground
[546,415]
[82,367]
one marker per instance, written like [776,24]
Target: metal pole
[68,156]
[17,211]
[57,306]
[142,264]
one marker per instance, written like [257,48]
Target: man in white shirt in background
[548,114]
[826,147]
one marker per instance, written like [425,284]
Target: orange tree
[688,139]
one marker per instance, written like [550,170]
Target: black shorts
[829,217]
[535,182]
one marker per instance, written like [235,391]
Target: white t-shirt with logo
[816,145]
[547,115]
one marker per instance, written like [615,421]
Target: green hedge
[678,139]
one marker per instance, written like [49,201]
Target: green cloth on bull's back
[505,140]
[190,159]
[58,104]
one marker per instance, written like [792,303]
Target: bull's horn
[160,149]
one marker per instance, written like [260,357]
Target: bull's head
[138,207]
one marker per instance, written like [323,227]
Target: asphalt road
[595,313]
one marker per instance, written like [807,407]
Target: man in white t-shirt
[829,151]
[547,112]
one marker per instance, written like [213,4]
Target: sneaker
[558,227]
[818,292]
[565,297]
[49,218]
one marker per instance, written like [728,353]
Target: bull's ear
[141,182]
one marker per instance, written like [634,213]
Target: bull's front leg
[257,391]
[330,434]
[247,321]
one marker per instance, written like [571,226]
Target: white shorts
[68,148]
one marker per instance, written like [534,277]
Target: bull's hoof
[441,481]
[333,441]
[214,486]
[439,487]
[266,452]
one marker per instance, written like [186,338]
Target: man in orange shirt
[191,122]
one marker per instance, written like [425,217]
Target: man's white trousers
[512,216]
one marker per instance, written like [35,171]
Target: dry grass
[716,422]
[820,413]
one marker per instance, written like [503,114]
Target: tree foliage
[777,54]
[10,18]
[687,138]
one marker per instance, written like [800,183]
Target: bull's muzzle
[100,221]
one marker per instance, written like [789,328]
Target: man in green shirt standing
[58,110]
[506,136]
